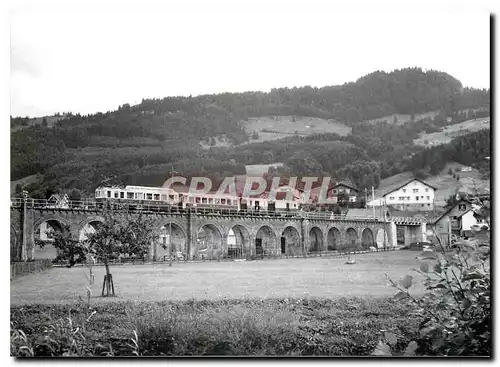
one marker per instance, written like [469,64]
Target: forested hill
[139,144]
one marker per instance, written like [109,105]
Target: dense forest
[140,144]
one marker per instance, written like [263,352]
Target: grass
[401,118]
[315,277]
[285,327]
[286,126]
[450,132]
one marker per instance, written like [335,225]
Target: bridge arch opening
[238,242]
[334,239]
[315,240]
[290,242]
[265,241]
[42,234]
[367,239]
[172,240]
[351,239]
[209,241]
[88,228]
[382,240]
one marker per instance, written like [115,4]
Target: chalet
[412,195]
[58,201]
[460,218]
[343,187]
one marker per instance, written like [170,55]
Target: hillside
[213,135]
[448,133]
[444,182]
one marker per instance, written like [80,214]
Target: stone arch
[381,238]
[334,239]
[367,239]
[172,238]
[315,239]
[290,243]
[88,226]
[210,241]
[351,239]
[40,229]
[266,241]
[238,241]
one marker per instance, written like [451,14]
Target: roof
[428,215]
[465,212]
[58,197]
[344,183]
[450,209]
[406,183]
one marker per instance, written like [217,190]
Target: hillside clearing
[260,169]
[274,127]
[450,132]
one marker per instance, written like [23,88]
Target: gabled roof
[344,183]
[58,197]
[406,183]
[449,210]
[465,212]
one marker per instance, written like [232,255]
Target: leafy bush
[456,306]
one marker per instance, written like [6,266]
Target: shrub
[457,305]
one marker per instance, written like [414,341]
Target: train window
[116,194]
[210,200]
[130,195]
[171,197]
[149,196]
[198,200]
[217,201]
[163,197]
[250,202]
[140,195]
[122,195]
[204,200]
[191,199]
[157,197]
[109,194]
[228,201]
[223,201]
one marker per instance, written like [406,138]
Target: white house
[58,201]
[412,195]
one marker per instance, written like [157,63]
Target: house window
[422,205]
[415,190]
[461,206]
[428,198]
[416,198]
[404,190]
[428,204]
[334,191]
[392,198]
[401,198]
[426,190]
[407,198]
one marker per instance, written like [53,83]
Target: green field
[450,132]
[273,128]
[313,277]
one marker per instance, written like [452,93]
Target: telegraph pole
[24,249]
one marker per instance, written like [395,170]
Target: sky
[91,57]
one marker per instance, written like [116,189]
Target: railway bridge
[209,234]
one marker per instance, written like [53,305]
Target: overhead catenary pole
[373,199]
[170,222]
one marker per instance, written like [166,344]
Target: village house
[459,219]
[412,195]
[58,202]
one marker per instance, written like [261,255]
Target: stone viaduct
[211,235]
